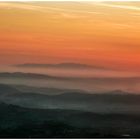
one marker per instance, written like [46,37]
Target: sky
[104,34]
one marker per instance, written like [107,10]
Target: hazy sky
[97,33]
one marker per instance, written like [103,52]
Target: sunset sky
[97,33]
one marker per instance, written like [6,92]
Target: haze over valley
[70,69]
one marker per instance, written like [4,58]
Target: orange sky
[97,33]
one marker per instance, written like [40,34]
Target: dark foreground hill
[18,122]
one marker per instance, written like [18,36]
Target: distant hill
[30,76]
[117,101]
[45,90]
[45,76]
[6,89]
[61,65]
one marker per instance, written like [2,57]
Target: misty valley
[41,105]
[69,69]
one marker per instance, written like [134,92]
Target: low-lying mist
[89,79]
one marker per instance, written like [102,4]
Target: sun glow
[103,33]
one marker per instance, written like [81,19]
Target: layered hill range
[97,84]
[111,102]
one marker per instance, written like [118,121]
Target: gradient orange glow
[97,33]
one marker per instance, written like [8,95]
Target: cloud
[18,6]
[68,13]
[120,6]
